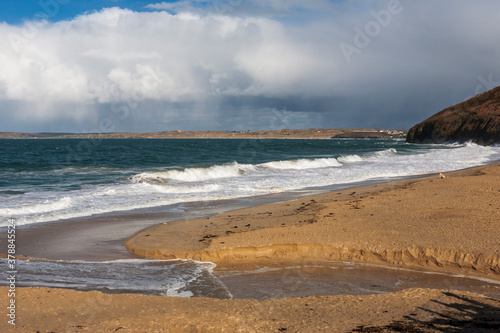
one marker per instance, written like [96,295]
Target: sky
[141,66]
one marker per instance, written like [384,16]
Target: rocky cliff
[477,120]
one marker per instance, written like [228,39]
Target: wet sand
[102,238]
[328,278]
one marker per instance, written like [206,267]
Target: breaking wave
[303,164]
[350,159]
[145,188]
[386,152]
[193,174]
[236,170]
[45,207]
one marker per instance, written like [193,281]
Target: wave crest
[346,159]
[45,207]
[192,174]
[386,152]
[302,164]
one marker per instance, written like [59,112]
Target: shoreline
[220,238]
[413,309]
[40,244]
[102,237]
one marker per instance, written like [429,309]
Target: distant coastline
[312,133]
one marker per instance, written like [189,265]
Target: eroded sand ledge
[433,259]
[440,224]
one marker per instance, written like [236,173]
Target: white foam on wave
[47,206]
[231,170]
[88,204]
[350,159]
[193,174]
[229,181]
[456,144]
[97,200]
[184,188]
[386,152]
[180,278]
[389,163]
[302,164]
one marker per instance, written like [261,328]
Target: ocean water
[55,179]
[51,180]
[176,278]
[187,278]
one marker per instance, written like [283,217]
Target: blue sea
[54,180]
[46,180]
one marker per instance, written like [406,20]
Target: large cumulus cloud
[255,64]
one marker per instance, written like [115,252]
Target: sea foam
[193,174]
[180,278]
[155,188]
[302,164]
[46,206]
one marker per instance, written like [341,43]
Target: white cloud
[169,5]
[262,8]
[115,53]
[202,57]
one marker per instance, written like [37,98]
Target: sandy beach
[250,166]
[449,224]
[414,310]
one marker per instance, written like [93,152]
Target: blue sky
[137,66]
[16,12]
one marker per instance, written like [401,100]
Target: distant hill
[476,120]
[41,135]
[312,133]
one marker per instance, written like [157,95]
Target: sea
[54,180]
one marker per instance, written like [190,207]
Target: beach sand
[411,310]
[447,224]
[450,224]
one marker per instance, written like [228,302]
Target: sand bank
[449,224]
